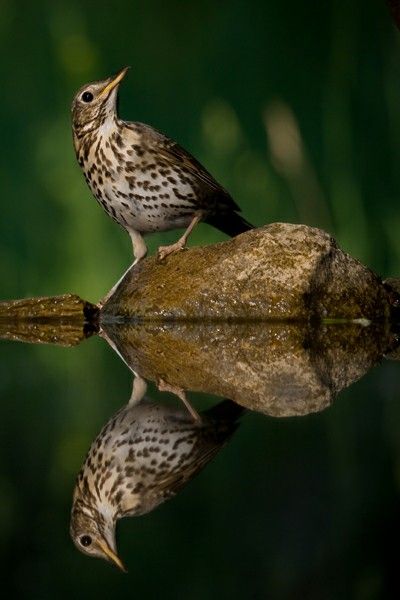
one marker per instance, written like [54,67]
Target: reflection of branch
[394,6]
[59,333]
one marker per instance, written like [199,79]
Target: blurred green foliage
[295,108]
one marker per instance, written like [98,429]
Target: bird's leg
[163,386]
[139,252]
[138,245]
[139,388]
[165,251]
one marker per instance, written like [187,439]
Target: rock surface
[280,271]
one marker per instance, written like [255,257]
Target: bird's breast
[138,189]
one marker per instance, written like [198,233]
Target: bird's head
[94,534]
[94,103]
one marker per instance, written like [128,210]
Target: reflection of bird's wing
[176,156]
[172,482]
[210,440]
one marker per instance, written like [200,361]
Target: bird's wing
[173,154]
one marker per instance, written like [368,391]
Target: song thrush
[144,455]
[145,181]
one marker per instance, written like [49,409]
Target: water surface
[301,500]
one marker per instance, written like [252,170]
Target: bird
[144,455]
[143,179]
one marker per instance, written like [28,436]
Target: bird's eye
[87,96]
[85,540]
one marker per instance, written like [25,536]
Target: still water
[252,460]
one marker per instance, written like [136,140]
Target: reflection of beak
[117,79]
[114,558]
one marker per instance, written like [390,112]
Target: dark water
[296,496]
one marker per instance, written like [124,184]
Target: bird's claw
[164,251]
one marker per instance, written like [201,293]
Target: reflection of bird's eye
[86,540]
[87,96]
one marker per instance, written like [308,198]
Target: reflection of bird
[143,456]
[144,180]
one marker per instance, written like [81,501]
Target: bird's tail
[230,223]
[223,420]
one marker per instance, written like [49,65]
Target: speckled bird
[143,456]
[145,181]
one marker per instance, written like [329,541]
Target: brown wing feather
[174,154]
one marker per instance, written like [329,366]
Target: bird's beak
[114,82]
[114,558]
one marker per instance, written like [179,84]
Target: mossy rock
[280,271]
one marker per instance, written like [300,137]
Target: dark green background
[295,108]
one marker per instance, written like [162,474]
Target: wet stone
[280,271]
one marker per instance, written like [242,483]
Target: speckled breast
[137,191]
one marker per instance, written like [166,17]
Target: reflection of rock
[280,271]
[144,455]
[280,369]
[62,320]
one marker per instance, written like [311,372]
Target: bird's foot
[163,386]
[164,251]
